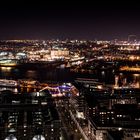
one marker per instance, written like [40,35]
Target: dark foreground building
[114,117]
[28,117]
[112,113]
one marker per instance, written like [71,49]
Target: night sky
[72,20]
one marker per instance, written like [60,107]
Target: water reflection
[65,75]
[137,76]
[6,69]
[31,74]
[137,80]
[128,80]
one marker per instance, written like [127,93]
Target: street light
[38,137]
[11,137]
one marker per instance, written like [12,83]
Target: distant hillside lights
[129,48]
[134,57]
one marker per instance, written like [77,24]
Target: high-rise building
[28,116]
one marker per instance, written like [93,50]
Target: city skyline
[58,20]
[69,70]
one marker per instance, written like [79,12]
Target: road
[77,128]
[69,128]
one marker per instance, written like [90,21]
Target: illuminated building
[28,116]
[111,113]
[114,113]
[59,53]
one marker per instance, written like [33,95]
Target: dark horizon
[102,21]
